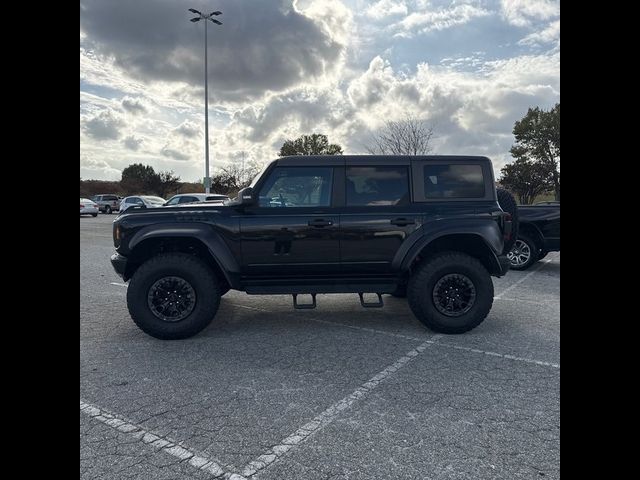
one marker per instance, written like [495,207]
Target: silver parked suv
[107,203]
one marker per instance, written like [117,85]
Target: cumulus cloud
[93,168]
[470,113]
[132,143]
[438,19]
[182,142]
[188,129]
[105,125]
[523,13]
[261,46]
[133,105]
[551,34]
[173,153]
[330,76]
[386,8]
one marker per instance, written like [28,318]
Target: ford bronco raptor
[430,228]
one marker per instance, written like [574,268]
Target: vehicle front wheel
[523,254]
[451,293]
[173,296]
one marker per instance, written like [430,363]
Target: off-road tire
[193,271]
[420,292]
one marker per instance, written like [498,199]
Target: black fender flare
[486,229]
[536,232]
[205,233]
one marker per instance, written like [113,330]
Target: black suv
[428,227]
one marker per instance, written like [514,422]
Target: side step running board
[378,304]
[312,305]
[304,306]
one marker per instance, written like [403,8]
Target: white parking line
[511,287]
[500,355]
[521,300]
[118,284]
[330,414]
[162,443]
[416,339]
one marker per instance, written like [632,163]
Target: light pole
[207,178]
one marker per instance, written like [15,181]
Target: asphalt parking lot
[339,392]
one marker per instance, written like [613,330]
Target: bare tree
[409,136]
[234,177]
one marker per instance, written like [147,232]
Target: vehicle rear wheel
[451,293]
[173,296]
[524,253]
[508,204]
[107,210]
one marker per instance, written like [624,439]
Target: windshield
[255,179]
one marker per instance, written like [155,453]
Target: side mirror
[245,196]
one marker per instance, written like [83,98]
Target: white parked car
[195,197]
[88,207]
[144,201]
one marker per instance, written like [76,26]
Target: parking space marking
[416,339]
[520,300]
[330,414]
[163,444]
[446,345]
[118,284]
[511,287]
[499,355]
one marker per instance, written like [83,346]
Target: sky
[282,68]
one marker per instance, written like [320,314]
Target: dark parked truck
[538,234]
[428,227]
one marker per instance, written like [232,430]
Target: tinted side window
[188,199]
[173,201]
[297,187]
[377,186]
[453,181]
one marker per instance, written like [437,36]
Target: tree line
[535,171]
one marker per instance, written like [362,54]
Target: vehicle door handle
[320,222]
[401,222]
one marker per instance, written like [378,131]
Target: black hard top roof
[340,160]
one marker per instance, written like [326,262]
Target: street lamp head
[215,21]
[197,19]
[193,10]
[217,12]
